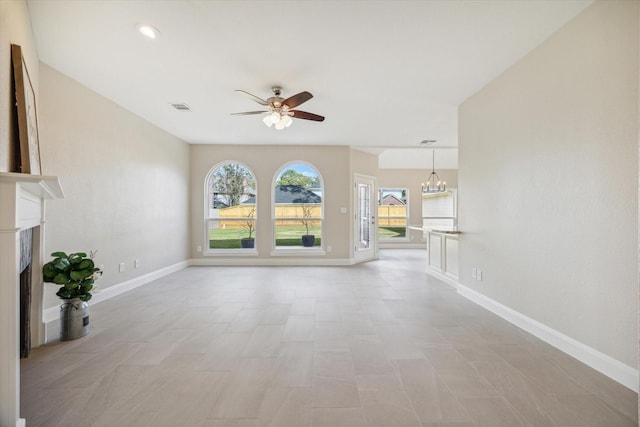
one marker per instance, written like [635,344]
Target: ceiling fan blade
[253,97]
[246,113]
[295,100]
[297,114]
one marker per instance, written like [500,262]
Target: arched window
[298,207]
[230,208]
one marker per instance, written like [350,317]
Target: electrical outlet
[479,275]
[474,272]
[121,267]
[329,248]
[199,248]
[136,263]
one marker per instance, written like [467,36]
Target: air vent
[428,141]
[181,107]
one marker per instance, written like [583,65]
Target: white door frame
[368,253]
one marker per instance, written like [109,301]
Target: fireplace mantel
[22,206]
[47,187]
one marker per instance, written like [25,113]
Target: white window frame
[296,250]
[207,218]
[406,217]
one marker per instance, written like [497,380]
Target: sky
[396,193]
[303,169]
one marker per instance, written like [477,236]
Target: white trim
[273,261]
[602,363]
[53,313]
[232,252]
[45,187]
[370,253]
[394,240]
[404,239]
[275,219]
[298,251]
[386,244]
[444,277]
[23,201]
[206,197]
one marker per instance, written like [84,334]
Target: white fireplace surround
[22,206]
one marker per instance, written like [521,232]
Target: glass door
[365,236]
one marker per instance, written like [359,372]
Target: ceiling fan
[279,110]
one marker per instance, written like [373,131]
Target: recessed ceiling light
[148,31]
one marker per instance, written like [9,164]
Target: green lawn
[285,236]
[391,232]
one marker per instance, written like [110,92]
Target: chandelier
[433,184]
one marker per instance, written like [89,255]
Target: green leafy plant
[75,273]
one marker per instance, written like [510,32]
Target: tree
[231,182]
[291,177]
[250,223]
[307,214]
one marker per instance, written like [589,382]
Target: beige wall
[126,182]
[363,163]
[333,163]
[548,181]
[15,28]
[413,179]
[124,179]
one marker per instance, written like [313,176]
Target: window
[392,214]
[231,208]
[298,207]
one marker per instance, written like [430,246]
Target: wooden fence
[392,216]
[292,213]
[388,216]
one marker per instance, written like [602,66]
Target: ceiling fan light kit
[280,111]
[280,119]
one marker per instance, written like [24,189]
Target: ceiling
[386,74]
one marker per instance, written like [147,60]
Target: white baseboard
[53,313]
[274,261]
[442,276]
[400,245]
[602,363]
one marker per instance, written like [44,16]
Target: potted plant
[75,274]
[249,227]
[308,240]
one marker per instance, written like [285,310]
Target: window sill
[231,252]
[298,252]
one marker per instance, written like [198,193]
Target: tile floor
[379,344]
